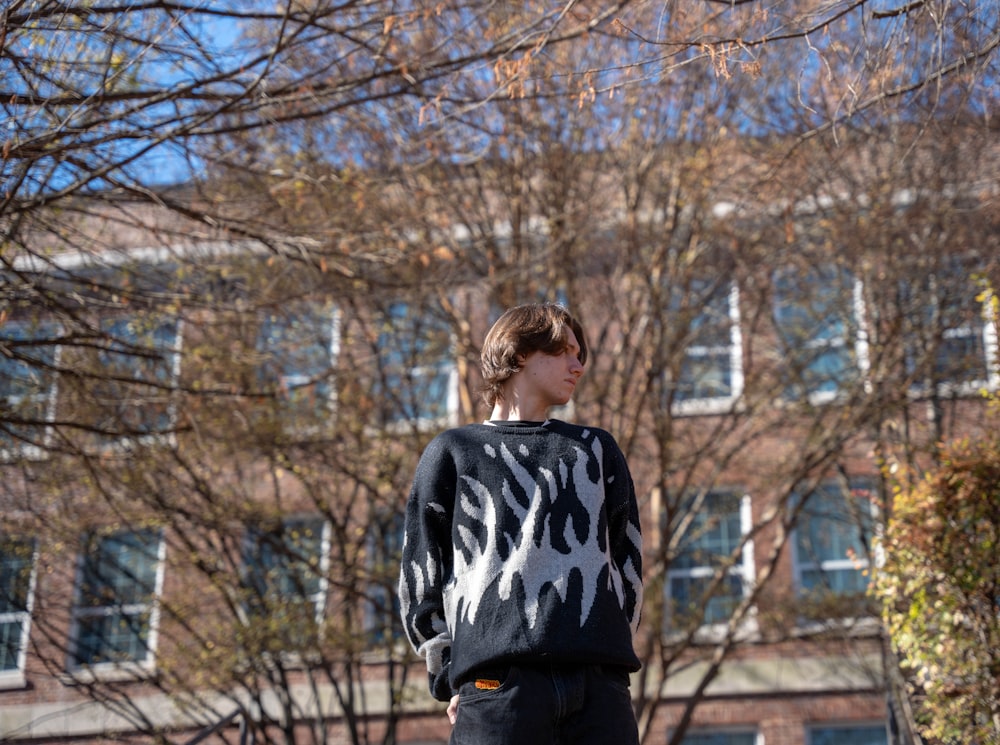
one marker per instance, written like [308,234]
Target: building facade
[206,450]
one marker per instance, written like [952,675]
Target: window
[299,346]
[833,539]
[385,546]
[719,520]
[416,376]
[134,372]
[711,375]
[17,563]
[817,316]
[285,577]
[950,345]
[720,738]
[115,609]
[28,355]
[873,734]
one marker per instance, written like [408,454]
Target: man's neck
[510,411]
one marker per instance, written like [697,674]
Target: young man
[521,572]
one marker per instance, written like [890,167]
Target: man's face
[551,379]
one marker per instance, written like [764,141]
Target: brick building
[206,448]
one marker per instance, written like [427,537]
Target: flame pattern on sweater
[522,544]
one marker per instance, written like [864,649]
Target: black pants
[539,705]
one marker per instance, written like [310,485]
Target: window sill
[109,673]
[706,407]
[746,632]
[13,680]
[852,627]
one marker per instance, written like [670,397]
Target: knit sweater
[522,545]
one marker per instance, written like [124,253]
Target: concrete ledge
[27,721]
[780,677]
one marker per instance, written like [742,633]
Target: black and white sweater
[522,543]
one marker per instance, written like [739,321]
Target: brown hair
[536,327]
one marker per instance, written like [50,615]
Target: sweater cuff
[440,685]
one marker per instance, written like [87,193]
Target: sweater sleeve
[426,565]
[626,534]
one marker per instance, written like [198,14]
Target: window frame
[813,728]
[47,399]
[744,570]
[382,602]
[288,410]
[858,489]
[754,735]
[171,351]
[131,667]
[15,677]
[984,334]
[850,343]
[252,542]
[393,416]
[733,352]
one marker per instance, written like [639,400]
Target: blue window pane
[285,562]
[708,375]
[16,563]
[121,569]
[961,358]
[811,305]
[826,369]
[833,539]
[116,637]
[117,592]
[714,532]
[415,363]
[136,370]
[385,547]
[706,370]
[418,396]
[839,581]
[720,738]
[284,581]
[686,597]
[11,633]
[831,528]
[869,735]
[297,347]
[712,537]
[16,559]
[945,326]
[816,324]
[26,378]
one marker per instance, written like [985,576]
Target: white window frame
[15,678]
[991,352]
[841,343]
[745,569]
[117,668]
[719,404]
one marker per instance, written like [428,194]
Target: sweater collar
[515,423]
